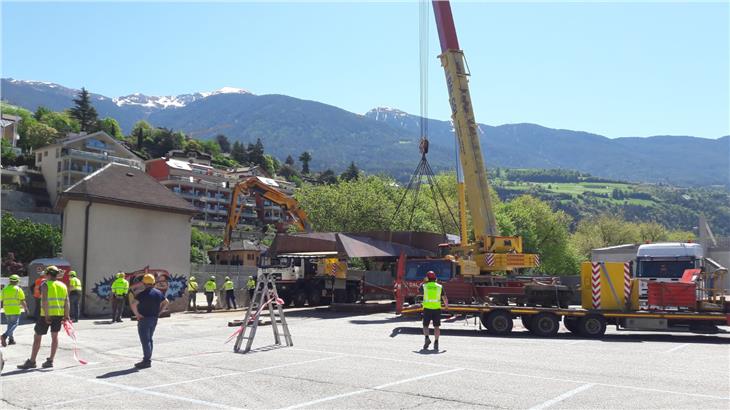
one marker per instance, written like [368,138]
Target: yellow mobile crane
[489,251]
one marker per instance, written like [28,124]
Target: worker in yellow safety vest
[192,293]
[230,294]
[251,285]
[13,298]
[75,296]
[55,308]
[210,288]
[119,290]
[433,295]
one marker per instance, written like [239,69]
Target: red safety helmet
[431,275]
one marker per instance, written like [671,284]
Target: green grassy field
[578,188]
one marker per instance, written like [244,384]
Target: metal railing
[74,153]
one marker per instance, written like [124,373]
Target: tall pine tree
[305,158]
[351,173]
[84,112]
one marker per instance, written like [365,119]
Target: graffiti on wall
[173,286]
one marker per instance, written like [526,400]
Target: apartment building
[190,175]
[70,159]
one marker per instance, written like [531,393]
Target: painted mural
[173,286]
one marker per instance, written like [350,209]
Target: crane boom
[489,251]
[470,152]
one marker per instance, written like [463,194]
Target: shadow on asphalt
[22,371]
[429,352]
[117,373]
[611,338]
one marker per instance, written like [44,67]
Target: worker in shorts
[432,297]
[55,308]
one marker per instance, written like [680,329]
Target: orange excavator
[256,186]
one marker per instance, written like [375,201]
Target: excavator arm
[255,185]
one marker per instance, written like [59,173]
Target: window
[58,152]
[58,168]
[40,158]
[249,256]
[45,154]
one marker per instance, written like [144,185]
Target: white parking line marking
[531,376]
[562,397]
[674,349]
[202,379]
[381,387]
[154,393]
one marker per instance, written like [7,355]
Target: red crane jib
[445,25]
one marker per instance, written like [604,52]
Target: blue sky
[616,69]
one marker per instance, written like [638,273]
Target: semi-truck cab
[666,262]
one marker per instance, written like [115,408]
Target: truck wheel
[498,323]
[571,323]
[545,324]
[592,326]
[527,321]
[353,294]
[314,297]
[299,298]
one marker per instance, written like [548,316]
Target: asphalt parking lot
[343,360]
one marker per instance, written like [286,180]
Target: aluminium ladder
[264,297]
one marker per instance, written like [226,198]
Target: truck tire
[299,298]
[498,322]
[571,323]
[314,297]
[353,294]
[545,324]
[593,326]
[526,321]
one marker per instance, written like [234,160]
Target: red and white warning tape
[71,332]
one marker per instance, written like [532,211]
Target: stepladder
[265,297]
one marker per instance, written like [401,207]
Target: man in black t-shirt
[147,307]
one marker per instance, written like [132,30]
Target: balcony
[91,156]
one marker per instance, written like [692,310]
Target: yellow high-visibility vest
[120,287]
[210,286]
[57,294]
[75,284]
[431,295]
[228,285]
[12,296]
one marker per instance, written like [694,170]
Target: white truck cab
[666,262]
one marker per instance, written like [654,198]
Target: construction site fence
[239,274]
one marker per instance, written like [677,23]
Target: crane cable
[424,168]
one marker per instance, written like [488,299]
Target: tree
[61,121]
[142,132]
[327,177]
[238,153]
[351,173]
[287,171]
[544,232]
[200,244]
[211,147]
[84,112]
[223,143]
[305,158]
[111,127]
[28,240]
[603,230]
[289,160]
[40,112]
[38,135]
[256,153]
[8,156]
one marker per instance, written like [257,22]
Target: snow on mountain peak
[173,101]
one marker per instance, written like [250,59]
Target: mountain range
[386,139]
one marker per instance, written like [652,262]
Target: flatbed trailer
[545,321]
